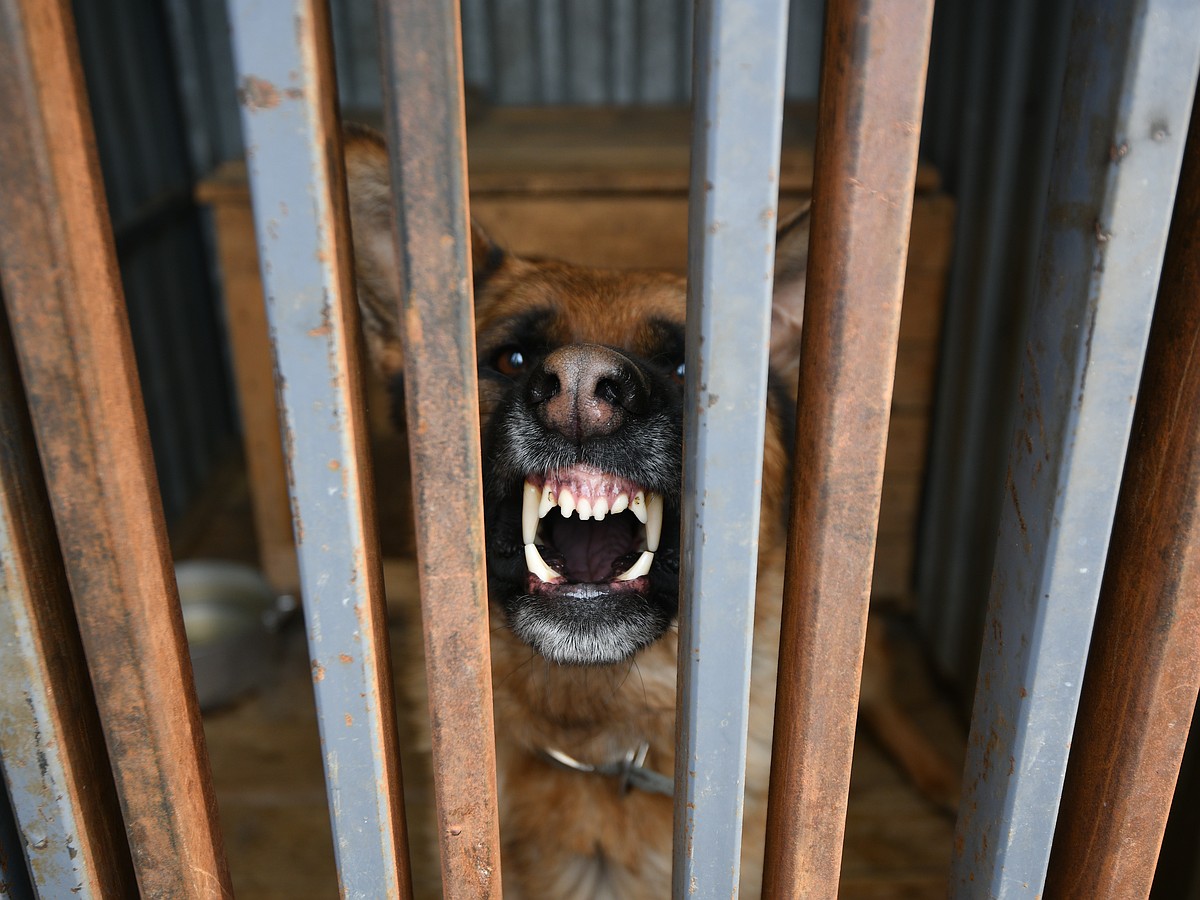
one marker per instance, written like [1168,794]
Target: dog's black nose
[585,391]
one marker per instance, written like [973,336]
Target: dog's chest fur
[602,842]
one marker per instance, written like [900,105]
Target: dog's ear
[376,265]
[787,309]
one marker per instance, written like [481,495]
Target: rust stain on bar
[424,109]
[52,717]
[1143,671]
[866,156]
[64,299]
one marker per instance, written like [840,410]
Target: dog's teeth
[584,509]
[600,510]
[566,502]
[653,520]
[638,505]
[529,513]
[535,564]
[545,504]
[638,569]
[620,504]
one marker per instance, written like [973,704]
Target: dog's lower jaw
[581,627]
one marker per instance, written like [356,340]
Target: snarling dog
[581,407]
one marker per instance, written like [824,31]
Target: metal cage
[1072,754]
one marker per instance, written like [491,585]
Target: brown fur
[567,834]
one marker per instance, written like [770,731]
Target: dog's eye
[678,373]
[510,361]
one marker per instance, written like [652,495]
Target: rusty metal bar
[426,131]
[423,107]
[1131,74]
[1143,671]
[289,116]
[72,337]
[873,85]
[737,126]
[51,744]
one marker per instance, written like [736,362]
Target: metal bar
[737,128]
[293,149]
[872,88]
[14,876]
[1131,74]
[1143,671]
[51,743]
[72,336]
[423,107]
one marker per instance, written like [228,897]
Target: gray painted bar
[1131,75]
[738,86]
[286,92]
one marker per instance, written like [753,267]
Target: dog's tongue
[591,549]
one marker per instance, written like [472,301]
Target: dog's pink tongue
[591,549]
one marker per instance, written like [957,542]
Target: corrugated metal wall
[996,73]
[161,240]
[515,53]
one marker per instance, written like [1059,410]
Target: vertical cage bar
[51,745]
[872,89]
[737,127]
[72,338]
[423,107]
[1131,73]
[14,876]
[293,149]
[1143,671]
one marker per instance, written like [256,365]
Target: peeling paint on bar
[293,156]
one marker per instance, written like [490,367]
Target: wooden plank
[246,321]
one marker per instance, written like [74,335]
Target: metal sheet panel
[72,338]
[293,152]
[738,118]
[876,53]
[1131,74]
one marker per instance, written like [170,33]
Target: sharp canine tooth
[566,502]
[639,568]
[654,519]
[638,505]
[535,564]
[600,510]
[545,505]
[585,509]
[529,514]
[620,504]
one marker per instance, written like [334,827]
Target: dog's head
[581,406]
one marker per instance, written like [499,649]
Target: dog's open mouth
[582,526]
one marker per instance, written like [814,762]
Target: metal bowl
[233,620]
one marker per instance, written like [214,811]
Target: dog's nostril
[543,385]
[610,391]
